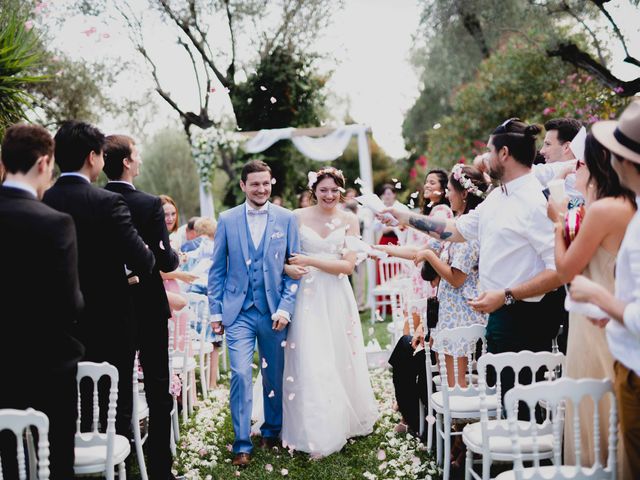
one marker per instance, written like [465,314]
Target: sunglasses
[504,126]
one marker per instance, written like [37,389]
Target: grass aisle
[205,443]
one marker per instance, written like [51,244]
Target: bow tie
[256,212]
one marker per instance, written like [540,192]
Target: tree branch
[629,58]
[571,53]
[231,69]
[596,42]
[195,70]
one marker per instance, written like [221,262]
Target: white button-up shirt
[624,340]
[257,222]
[545,172]
[516,236]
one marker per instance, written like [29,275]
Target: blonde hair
[205,226]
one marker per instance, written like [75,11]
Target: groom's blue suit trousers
[241,337]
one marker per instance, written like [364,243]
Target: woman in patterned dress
[457,267]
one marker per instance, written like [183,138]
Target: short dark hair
[519,138]
[387,186]
[74,142]
[191,224]
[252,167]
[116,149]
[23,144]
[567,128]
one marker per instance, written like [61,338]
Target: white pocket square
[277,235]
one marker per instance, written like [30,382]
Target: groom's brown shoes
[241,460]
[269,442]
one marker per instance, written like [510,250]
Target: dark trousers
[153,344]
[55,394]
[409,380]
[523,326]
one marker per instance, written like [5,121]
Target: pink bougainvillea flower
[422,161]
[548,111]
[413,173]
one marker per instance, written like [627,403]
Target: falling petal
[381,455]
[283,343]
[264,89]
[264,363]
[308,279]
[268,467]
[249,100]
[357,181]
[161,245]
[294,288]
[229,447]
[398,185]
[431,419]
[284,472]
[292,345]
[292,396]
[290,379]
[237,473]
[271,394]
[341,190]
[273,181]
[415,194]
[394,180]
[273,100]
[276,255]
[248,262]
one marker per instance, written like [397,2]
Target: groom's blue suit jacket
[229,275]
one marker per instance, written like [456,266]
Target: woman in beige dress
[608,209]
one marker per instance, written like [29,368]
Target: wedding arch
[323,144]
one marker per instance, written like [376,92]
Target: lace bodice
[313,244]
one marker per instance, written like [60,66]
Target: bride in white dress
[327,394]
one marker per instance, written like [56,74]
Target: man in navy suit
[151,308]
[42,299]
[107,242]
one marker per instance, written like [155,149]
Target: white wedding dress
[327,394]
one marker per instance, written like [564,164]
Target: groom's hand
[279,323]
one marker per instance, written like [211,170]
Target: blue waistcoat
[256,294]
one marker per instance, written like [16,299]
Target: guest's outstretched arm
[438,228]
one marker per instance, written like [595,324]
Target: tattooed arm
[438,228]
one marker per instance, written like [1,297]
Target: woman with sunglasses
[592,253]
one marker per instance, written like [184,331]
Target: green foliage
[19,56]
[518,80]
[168,168]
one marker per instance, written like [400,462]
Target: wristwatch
[509,299]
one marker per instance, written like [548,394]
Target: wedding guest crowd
[113,267]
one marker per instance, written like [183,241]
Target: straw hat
[621,136]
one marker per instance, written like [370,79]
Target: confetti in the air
[268,467]
[398,185]
[431,419]
[292,345]
[394,180]
[290,379]
[263,88]
[273,100]
[264,363]
[292,396]
[284,472]
[272,394]
[161,245]
[294,288]
[273,181]
[381,455]
[414,194]
[248,262]
[357,181]
[283,343]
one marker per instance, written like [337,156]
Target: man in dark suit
[151,308]
[107,241]
[42,299]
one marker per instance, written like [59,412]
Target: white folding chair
[555,395]
[140,413]
[389,269]
[96,452]
[175,427]
[199,304]
[20,423]
[183,361]
[457,402]
[490,438]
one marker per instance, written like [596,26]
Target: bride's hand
[295,271]
[300,260]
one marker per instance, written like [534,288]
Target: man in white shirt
[518,280]
[557,153]
[623,333]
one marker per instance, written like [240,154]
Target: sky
[369,42]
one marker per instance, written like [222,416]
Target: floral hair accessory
[466,182]
[313,176]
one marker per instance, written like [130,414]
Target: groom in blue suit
[250,297]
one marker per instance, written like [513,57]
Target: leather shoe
[241,460]
[269,442]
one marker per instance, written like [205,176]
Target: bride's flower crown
[313,176]
[466,182]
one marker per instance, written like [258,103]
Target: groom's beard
[255,204]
